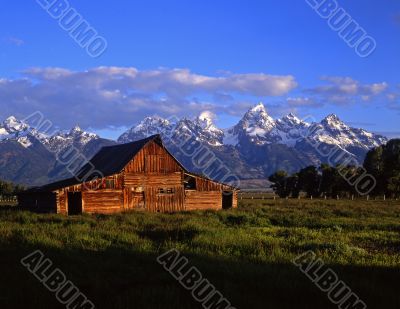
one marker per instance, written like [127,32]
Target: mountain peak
[207,116]
[12,124]
[260,107]
[76,129]
[258,116]
[332,118]
[332,121]
[292,118]
[11,119]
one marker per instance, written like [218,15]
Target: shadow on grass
[117,278]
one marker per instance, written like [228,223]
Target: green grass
[246,253]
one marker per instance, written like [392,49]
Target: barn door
[164,199]
[74,203]
[227,199]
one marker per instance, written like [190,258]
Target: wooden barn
[142,175]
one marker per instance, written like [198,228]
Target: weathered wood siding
[102,201]
[203,200]
[153,179]
[62,202]
[235,199]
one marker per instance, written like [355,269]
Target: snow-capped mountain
[259,143]
[75,137]
[147,127]
[17,130]
[202,128]
[258,128]
[255,147]
[13,129]
[332,130]
[31,157]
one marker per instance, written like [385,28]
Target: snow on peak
[258,116]
[207,117]
[12,124]
[260,107]
[206,122]
[76,129]
[332,118]
[291,119]
[333,122]
[147,127]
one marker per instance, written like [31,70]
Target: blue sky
[182,57]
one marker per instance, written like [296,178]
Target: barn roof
[112,159]
[108,161]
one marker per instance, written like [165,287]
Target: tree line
[381,167]
[9,189]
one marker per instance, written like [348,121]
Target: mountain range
[254,148]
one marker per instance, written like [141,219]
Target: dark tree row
[379,175]
[9,189]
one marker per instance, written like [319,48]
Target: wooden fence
[8,199]
[266,196]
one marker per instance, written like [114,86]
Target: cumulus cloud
[345,90]
[120,96]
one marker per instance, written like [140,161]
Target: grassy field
[246,253]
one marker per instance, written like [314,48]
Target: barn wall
[235,199]
[152,159]
[102,201]
[149,176]
[62,202]
[203,200]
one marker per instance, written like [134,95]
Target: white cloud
[346,90]
[120,96]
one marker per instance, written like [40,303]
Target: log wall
[195,200]
[105,202]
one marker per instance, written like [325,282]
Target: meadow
[246,253]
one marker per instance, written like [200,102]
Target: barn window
[110,184]
[190,182]
[166,191]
